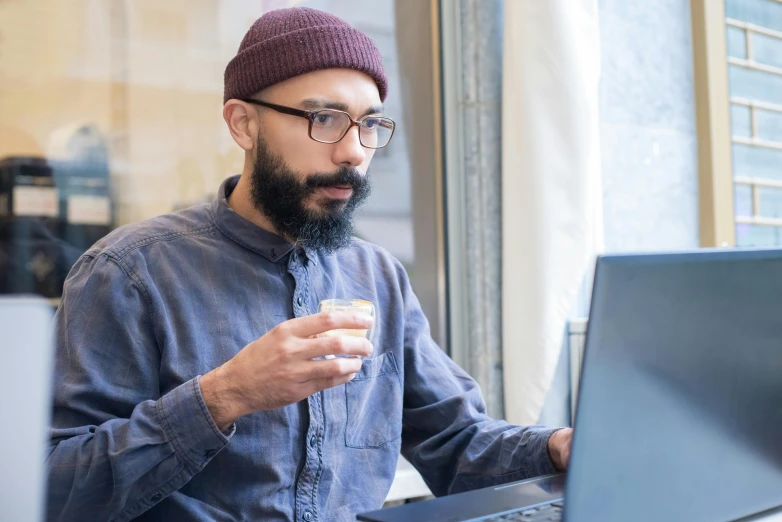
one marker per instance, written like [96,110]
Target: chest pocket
[374,404]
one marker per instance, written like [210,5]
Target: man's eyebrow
[375,109]
[313,104]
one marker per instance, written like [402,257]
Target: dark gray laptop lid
[680,404]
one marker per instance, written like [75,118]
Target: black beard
[277,192]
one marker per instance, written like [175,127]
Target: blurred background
[531,136]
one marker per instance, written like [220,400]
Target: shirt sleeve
[446,433]
[116,446]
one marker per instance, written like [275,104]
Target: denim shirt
[155,305]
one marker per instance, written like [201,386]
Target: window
[738,76]
[754,49]
[110,113]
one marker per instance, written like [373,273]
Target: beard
[276,192]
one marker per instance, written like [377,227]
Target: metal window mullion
[453,138]
[755,201]
[759,221]
[760,182]
[754,66]
[765,106]
[765,31]
[755,142]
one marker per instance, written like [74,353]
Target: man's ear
[242,122]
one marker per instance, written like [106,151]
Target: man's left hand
[559,448]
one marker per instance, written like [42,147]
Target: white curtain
[551,192]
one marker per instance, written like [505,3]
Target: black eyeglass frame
[311,115]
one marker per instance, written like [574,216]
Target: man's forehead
[348,86]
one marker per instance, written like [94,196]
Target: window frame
[713,102]
[712,110]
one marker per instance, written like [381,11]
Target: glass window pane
[769,125]
[757,162]
[756,236]
[766,13]
[740,122]
[386,218]
[766,49]
[122,101]
[737,44]
[757,85]
[770,202]
[742,200]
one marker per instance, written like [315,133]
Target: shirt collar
[248,234]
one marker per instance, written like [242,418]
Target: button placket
[301,291]
[309,477]
[307,483]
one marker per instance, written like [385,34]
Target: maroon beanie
[289,42]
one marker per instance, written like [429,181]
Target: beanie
[289,42]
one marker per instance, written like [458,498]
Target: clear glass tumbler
[348,305]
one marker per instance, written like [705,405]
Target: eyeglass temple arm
[282,109]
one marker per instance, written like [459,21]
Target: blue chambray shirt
[156,304]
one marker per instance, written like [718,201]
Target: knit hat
[289,42]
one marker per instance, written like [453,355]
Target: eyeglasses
[331,125]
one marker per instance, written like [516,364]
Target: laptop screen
[680,406]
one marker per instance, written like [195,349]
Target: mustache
[344,177]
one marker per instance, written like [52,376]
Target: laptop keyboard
[546,512]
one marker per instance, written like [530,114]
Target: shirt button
[307,516]
[299,301]
[313,441]
[155,497]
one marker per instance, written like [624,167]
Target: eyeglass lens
[329,126]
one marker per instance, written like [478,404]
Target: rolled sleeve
[117,447]
[538,448]
[189,425]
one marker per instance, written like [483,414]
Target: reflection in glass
[740,123]
[756,85]
[759,162]
[742,200]
[758,236]
[116,106]
[769,125]
[737,43]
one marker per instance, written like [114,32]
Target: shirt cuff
[541,461]
[189,425]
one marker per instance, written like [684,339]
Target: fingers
[335,345]
[315,324]
[338,371]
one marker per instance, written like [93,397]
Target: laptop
[27,349]
[679,413]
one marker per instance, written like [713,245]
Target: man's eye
[323,118]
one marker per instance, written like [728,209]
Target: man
[192,382]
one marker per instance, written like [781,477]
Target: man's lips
[338,192]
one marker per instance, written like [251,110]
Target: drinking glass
[348,305]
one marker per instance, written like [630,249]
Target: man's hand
[559,448]
[278,369]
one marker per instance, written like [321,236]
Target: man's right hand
[278,369]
